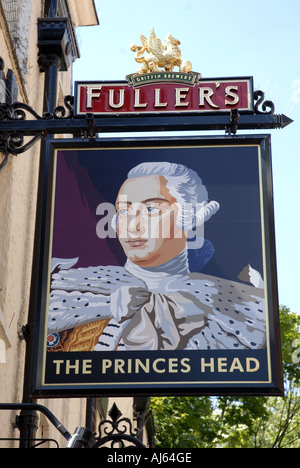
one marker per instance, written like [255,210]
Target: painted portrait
[157,249]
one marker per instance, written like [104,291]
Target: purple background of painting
[87,178]
[75,220]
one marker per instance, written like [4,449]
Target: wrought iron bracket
[259,96]
[118,432]
[19,121]
[14,120]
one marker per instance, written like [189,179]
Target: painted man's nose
[134,224]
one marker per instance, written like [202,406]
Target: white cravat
[154,277]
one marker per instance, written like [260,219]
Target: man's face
[146,225]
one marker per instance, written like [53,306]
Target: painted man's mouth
[136,242]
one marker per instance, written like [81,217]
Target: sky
[258,38]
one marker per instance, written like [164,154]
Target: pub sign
[158,269]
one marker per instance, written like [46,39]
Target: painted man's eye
[151,210]
[123,212]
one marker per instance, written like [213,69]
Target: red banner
[150,95]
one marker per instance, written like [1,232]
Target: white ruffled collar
[153,277]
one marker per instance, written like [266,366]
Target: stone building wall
[18,198]
[18,19]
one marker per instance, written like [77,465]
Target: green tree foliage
[184,422]
[230,422]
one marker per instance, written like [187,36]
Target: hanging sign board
[158,269]
[164,93]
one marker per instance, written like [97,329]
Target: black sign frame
[155,372]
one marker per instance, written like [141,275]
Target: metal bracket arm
[15,125]
[136,124]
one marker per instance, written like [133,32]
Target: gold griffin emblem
[158,59]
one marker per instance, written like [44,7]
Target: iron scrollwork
[118,432]
[14,142]
[60,112]
[20,110]
[259,96]
[5,154]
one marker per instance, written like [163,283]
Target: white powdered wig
[186,187]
